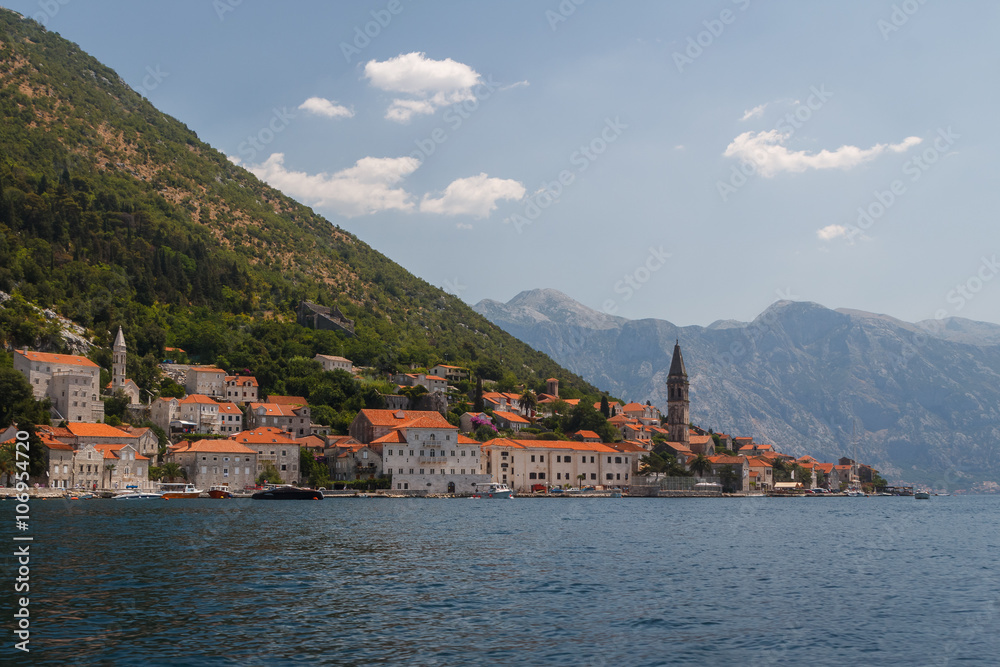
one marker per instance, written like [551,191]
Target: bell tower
[678,404]
[118,362]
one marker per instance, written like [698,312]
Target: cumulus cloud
[429,84]
[324,107]
[370,186]
[756,112]
[766,150]
[476,196]
[831,232]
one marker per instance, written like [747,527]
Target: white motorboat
[138,495]
[495,491]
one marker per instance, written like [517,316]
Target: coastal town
[222,433]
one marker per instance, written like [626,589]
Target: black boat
[287,493]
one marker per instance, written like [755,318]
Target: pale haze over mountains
[925,397]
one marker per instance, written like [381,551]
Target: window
[593,475]
[541,458]
[532,458]
[421,452]
[225,472]
[411,471]
[462,453]
[618,476]
[532,475]
[204,470]
[411,452]
[400,471]
[364,454]
[618,459]
[463,471]
[453,471]
[448,437]
[591,459]
[541,475]
[453,454]
[558,475]
[503,454]
[432,453]
[284,466]
[421,471]
[609,476]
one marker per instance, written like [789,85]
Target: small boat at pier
[287,493]
[179,490]
[495,491]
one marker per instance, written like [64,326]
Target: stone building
[211,463]
[273,446]
[71,382]
[522,464]
[315,316]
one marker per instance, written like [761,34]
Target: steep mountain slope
[926,400]
[114,213]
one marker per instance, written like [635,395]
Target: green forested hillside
[114,213]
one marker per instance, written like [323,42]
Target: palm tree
[110,467]
[700,465]
[529,401]
[581,477]
[170,470]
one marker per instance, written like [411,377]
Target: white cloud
[324,107]
[365,188]
[767,152]
[476,196]
[831,232]
[431,84]
[756,112]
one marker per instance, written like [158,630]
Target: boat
[220,491]
[138,495]
[287,493]
[495,491]
[179,490]
[922,495]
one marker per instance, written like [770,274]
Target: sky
[688,161]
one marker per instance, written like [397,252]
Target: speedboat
[922,495]
[288,493]
[169,491]
[138,495]
[495,491]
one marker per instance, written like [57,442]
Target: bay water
[557,581]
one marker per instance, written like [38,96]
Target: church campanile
[678,405]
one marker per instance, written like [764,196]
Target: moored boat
[922,495]
[179,490]
[495,491]
[288,493]
[137,495]
[220,491]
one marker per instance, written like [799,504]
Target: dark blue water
[756,581]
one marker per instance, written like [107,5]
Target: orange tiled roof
[229,408]
[283,410]
[263,435]
[511,417]
[112,452]
[50,358]
[88,430]
[551,444]
[586,434]
[400,417]
[207,369]
[219,446]
[466,440]
[197,398]
[248,380]
[393,437]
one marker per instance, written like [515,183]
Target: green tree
[116,407]
[700,465]
[270,475]
[730,479]
[605,408]
[171,470]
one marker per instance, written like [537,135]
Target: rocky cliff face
[923,399]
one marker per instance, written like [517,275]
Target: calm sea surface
[754,581]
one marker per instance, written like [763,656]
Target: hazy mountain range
[925,397]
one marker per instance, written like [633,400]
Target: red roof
[48,357]
[206,369]
[264,435]
[247,380]
[551,444]
[197,398]
[428,418]
[215,445]
[511,417]
[87,430]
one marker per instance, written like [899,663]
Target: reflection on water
[554,581]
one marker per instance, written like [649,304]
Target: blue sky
[690,161]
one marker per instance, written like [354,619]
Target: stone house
[206,380]
[334,363]
[273,446]
[72,383]
[242,389]
[211,463]
[291,418]
[525,463]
